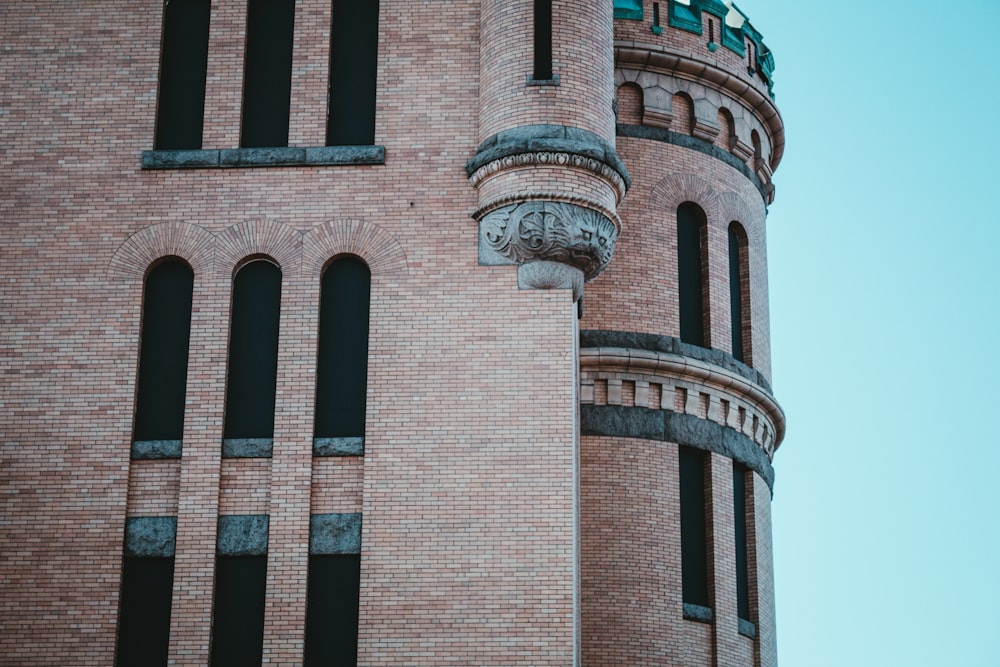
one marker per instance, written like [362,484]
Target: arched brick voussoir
[250,238]
[194,244]
[750,213]
[672,191]
[377,247]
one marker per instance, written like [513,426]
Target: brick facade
[517,508]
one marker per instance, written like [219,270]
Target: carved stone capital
[547,231]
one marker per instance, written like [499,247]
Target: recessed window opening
[353,73]
[238,611]
[543,40]
[741,521]
[342,366]
[267,74]
[656,14]
[739,292]
[332,610]
[180,108]
[694,530]
[144,616]
[163,352]
[691,230]
[711,30]
[253,351]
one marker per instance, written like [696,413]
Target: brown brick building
[390,332]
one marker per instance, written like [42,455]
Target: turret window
[739,292]
[691,260]
[694,531]
[543,41]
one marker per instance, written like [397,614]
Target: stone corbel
[554,244]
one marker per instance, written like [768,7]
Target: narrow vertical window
[180,107]
[739,302]
[353,73]
[238,613]
[267,75]
[146,592]
[334,590]
[691,273]
[741,520]
[332,610]
[253,351]
[543,40]
[240,587]
[342,367]
[163,354]
[694,534]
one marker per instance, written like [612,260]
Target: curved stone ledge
[671,345]
[686,385]
[655,58]
[701,146]
[547,144]
[665,426]
[547,231]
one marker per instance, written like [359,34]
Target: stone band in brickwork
[669,396]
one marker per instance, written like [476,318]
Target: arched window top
[342,364]
[253,350]
[262,260]
[163,355]
[739,293]
[691,274]
[737,229]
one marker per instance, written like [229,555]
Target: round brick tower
[678,421]
[548,178]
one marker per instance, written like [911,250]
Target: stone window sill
[695,612]
[225,158]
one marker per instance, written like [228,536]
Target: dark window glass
[183,65]
[267,76]
[341,377]
[144,616]
[694,536]
[353,59]
[332,611]
[238,614]
[253,351]
[543,39]
[163,352]
[738,306]
[690,273]
[740,523]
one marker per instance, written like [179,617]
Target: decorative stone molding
[544,158]
[680,384]
[547,231]
[632,58]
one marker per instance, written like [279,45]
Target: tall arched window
[163,355]
[691,231]
[342,366]
[739,292]
[253,351]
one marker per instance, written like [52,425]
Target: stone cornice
[553,159]
[653,58]
[678,367]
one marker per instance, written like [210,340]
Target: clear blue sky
[884,251]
